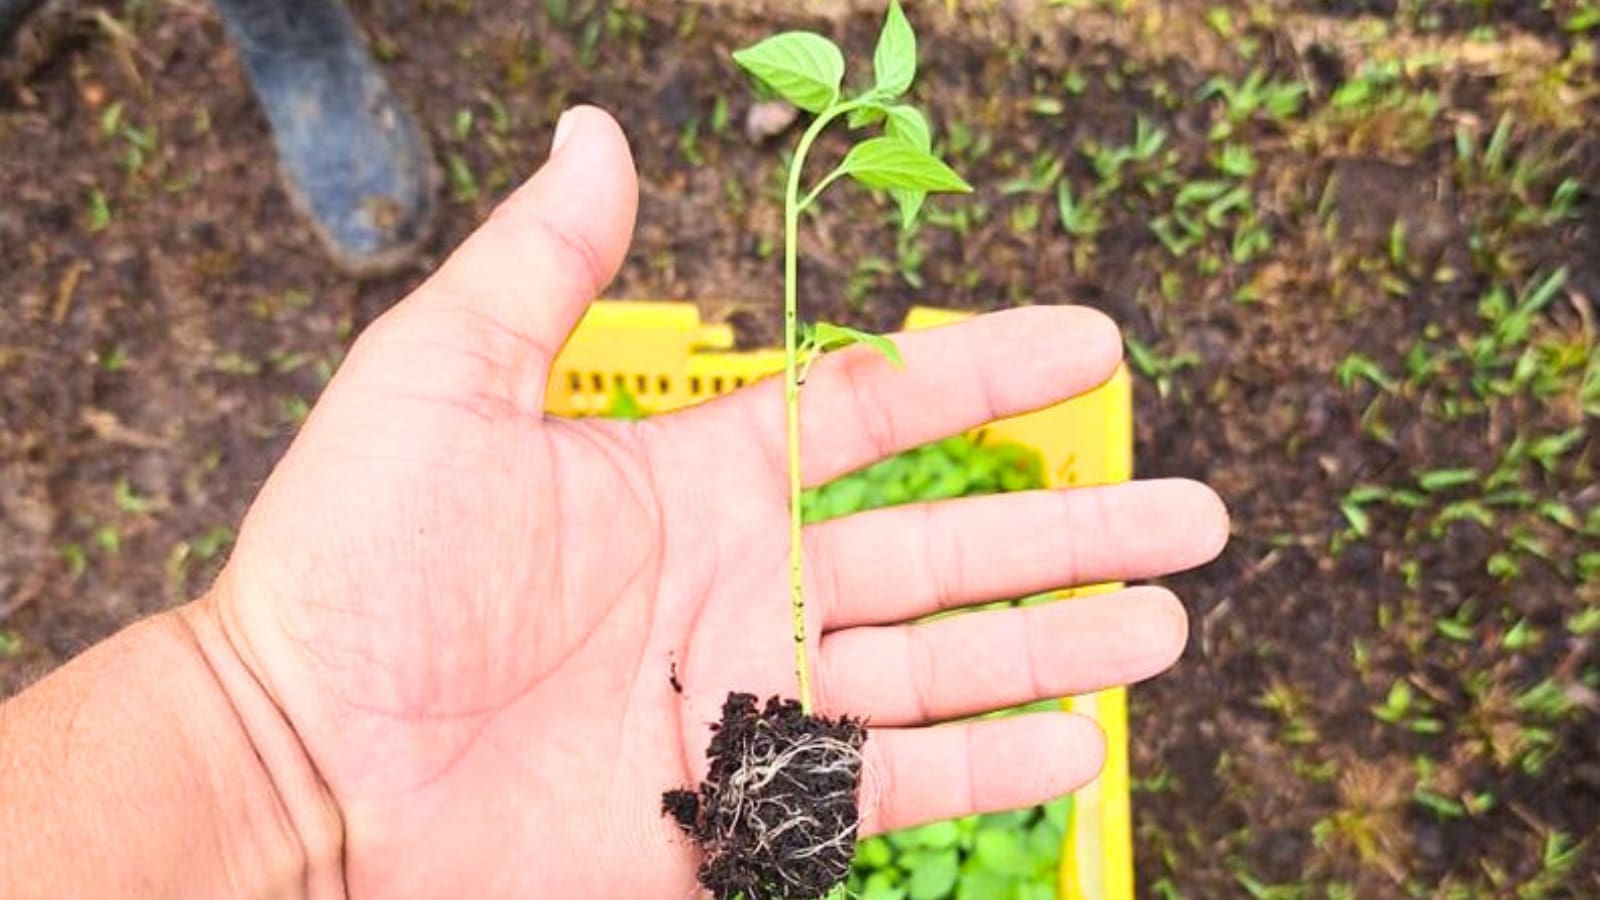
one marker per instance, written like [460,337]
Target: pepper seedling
[807,70]
[777,813]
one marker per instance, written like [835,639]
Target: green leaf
[978,883]
[624,405]
[871,114]
[909,124]
[938,835]
[1002,850]
[827,336]
[894,62]
[881,889]
[888,162]
[801,67]
[1444,479]
[910,203]
[934,876]
[128,500]
[1359,521]
[874,853]
[1044,843]
[1059,812]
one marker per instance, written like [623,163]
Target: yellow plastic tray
[667,358]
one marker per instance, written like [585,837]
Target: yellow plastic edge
[667,359]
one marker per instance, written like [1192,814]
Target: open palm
[470,612]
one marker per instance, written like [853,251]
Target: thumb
[514,290]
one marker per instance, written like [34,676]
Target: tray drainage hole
[597,382]
[575,382]
[664,385]
[694,384]
[716,384]
[641,384]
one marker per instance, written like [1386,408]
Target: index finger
[857,408]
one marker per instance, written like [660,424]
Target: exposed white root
[748,803]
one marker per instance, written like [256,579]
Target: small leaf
[909,124]
[827,336]
[801,67]
[880,888]
[934,875]
[893,163]
[1002,851]
[1444,479]
[894,62]
[874,853]
[871,114]
[939,835]
[910,203]
[1359,521]
[1044,843]
[978,883]
[624,405]
[1059,812]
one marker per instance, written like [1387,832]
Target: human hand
[466,610]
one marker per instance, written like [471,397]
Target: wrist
[301,847]
[153,765]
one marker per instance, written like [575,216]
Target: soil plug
[776,814]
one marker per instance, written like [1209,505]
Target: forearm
[154,766]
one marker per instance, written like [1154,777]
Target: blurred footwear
[352,156]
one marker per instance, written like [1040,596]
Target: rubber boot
[12,14]
[351,155]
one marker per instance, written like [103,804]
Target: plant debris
[776,815]
[769,118]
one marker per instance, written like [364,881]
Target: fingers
[981,661]
[507,298]
[857,408]
[922,775]
[896,564]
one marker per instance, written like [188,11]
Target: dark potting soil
[776,815]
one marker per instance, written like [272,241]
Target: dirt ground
[1353,244]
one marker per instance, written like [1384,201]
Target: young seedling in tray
[776,815]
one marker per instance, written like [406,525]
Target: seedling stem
[792,207]
[808,70]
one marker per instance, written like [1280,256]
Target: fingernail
[563,131]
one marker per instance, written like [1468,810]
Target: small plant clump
[776,813]
[776,816]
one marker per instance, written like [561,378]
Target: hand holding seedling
[446,635]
